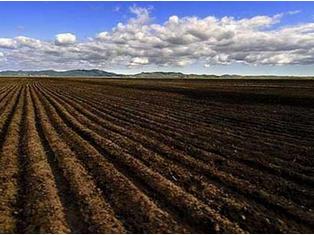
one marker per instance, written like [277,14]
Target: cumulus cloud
[103,36]
[2,58]
[179,41]
[65,39]
[139,61]
[7,43]
[28,42]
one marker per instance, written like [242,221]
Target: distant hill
[143,75]
[160,75]
[91,73]
[53,73]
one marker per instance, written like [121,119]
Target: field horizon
[96,73]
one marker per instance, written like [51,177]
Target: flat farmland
[156,156]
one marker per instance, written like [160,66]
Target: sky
[131,37]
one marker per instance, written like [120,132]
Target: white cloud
[2,57]
[28,42]
[103,36]
[294,12]
[7,43]
[142,15]
[179,41]
[139,61]
[65,39]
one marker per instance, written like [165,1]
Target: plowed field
[152,156]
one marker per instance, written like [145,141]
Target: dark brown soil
[156,156]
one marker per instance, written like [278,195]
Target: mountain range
[105,74]
[53,73]
[91,73]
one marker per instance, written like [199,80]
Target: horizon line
[134,74]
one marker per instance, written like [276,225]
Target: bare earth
[156,156]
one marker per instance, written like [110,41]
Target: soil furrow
[97,213]
[9,164]
[86,155]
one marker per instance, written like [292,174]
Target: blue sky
[44,20]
